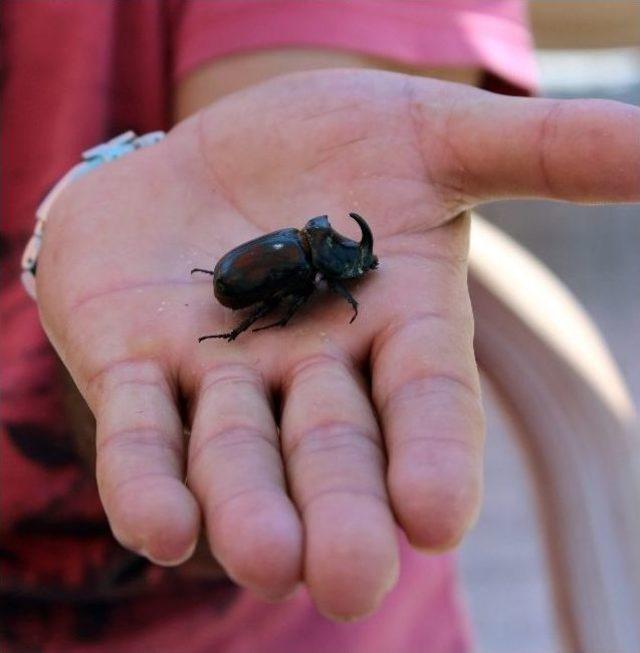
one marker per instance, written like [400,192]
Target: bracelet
[93,158]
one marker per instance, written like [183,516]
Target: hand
[307,443]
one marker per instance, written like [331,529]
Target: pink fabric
[422,614]
[489,34]
[74,73]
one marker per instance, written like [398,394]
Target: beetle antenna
[201,270]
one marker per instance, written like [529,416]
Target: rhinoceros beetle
[284,266]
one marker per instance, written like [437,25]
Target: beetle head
[337,256]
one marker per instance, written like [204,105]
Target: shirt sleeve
[489,34]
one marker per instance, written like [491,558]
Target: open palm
[309,443]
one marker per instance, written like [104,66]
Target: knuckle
[395,330]
[230,374]
[317,361]
[332,437]
[244,503]
[121,373]
[328,362]
[139,437]
[230,438]
[344,494]
[424,385]
[548,129]
[120,496]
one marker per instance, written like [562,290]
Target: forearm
[224,76]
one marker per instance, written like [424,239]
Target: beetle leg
[294,305]
[337,287]
[201,270]
[261,310]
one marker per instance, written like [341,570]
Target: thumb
[574,150]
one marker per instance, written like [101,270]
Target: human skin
[374,424]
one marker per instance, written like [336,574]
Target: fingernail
[279,598]
[170,563]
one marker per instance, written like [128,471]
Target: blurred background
[585,49]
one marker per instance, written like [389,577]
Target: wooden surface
[503,568]
[595,251]
[567,402]
[585,23]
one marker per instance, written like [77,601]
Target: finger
[236,471]
[139,464]
[336,468]
[425,386]
[496,146]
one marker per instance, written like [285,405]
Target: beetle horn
[366,243]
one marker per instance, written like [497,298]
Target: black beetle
[284,267]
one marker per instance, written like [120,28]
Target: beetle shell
[274,263]
[282,268]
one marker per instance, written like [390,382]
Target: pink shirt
[74,73]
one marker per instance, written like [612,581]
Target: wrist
[92,158]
